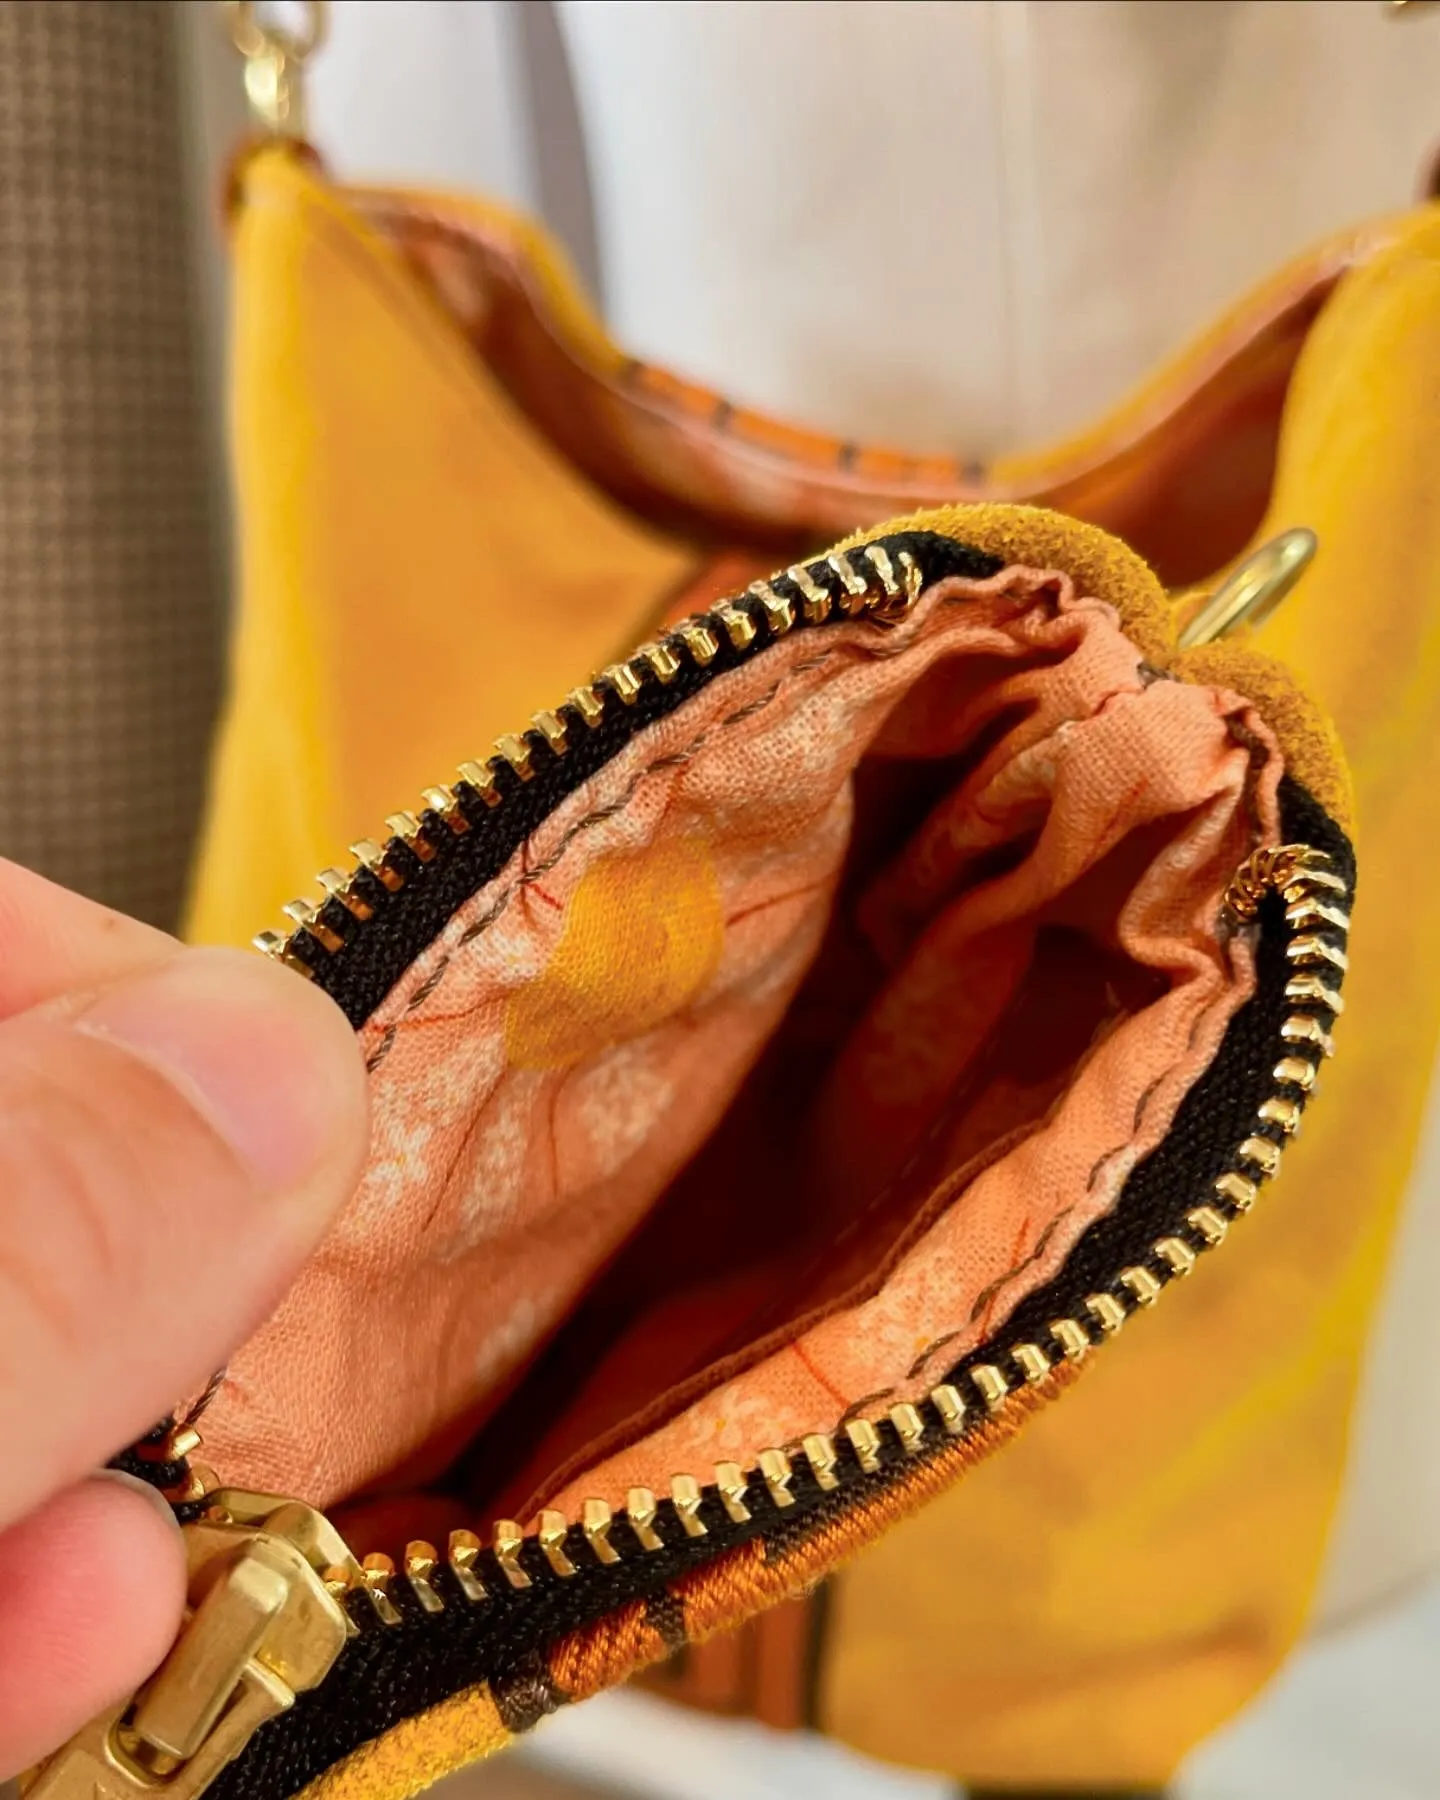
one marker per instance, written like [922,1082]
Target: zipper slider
[261,1626]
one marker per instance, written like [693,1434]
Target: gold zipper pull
[260,1628]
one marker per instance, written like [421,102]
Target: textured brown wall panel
[109,611]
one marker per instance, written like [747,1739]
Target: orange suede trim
[1308,740]
[1096,562]
[1101,565]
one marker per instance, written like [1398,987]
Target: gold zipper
[864,583]
[271,1581]
[270,1578]
[263,1623]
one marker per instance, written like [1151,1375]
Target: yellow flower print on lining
[642,936]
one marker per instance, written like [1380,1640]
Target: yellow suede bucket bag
[873,964]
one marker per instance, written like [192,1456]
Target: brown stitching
[1096,1167]
[525,1693]
[665,1615]
[428,987]
[927,1138]
[486,920]
[1042,1244]
[857,1408]
[679,758]
[528,879]
[676,759]
[598,816]
[930,1349]
[1143,1102]
[989,1293]
[752,707]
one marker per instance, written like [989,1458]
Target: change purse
[794,1056]
[432,550]
[695,1251]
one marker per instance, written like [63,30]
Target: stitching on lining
[672,760]
[678,759]
[995,1287]
[1255,747]
[879,652]
[992,1291]
[1257,754]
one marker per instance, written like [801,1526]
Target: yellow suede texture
[1097,562]
[1138,1563]
[419,570]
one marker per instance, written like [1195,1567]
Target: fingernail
[269,1062]
[137,1486]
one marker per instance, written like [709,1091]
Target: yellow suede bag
[410,527]
[457,499]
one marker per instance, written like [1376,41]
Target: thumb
[171,1147]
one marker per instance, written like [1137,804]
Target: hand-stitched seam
[673,759]
[1257,753]
[928,1137]
[993,1289]
[1042,1243]
[1108,1157]
[857,1408]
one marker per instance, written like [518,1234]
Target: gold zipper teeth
[178,1442]
[981,1391]
[868,582]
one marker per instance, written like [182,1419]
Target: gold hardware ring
[275,55]
[1253,589]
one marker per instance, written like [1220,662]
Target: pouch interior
[793,1049]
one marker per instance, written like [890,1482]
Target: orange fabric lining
[559,1055]
[1181,469]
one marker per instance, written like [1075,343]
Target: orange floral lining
[553,1061]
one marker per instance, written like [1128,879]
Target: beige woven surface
[109,610]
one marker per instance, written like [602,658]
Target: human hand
[177,1128]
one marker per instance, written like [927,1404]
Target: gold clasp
[1253,589]
[275,56]
[261,1626]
